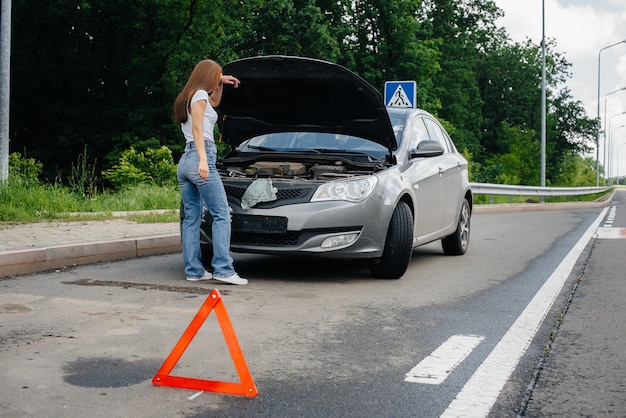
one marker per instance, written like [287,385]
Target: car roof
[285,93]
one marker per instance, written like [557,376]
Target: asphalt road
[583,374]
[326,339]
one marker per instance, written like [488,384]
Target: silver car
[320,167]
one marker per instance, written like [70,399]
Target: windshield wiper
[260,148]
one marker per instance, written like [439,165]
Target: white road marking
[482,390]
[435,368]
[612,233]
[609,219]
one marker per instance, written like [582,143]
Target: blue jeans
[194,192]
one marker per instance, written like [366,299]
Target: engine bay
[297,170]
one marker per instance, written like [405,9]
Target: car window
[418,132]
[436,133]
[397,123]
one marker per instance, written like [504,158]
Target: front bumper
[309,225]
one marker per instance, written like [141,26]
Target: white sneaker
[206,276]
[232,279]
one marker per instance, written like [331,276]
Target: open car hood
[283,93]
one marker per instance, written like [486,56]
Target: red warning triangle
[245,388]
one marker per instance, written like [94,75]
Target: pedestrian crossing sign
[400,94]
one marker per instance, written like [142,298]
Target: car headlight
[351,190]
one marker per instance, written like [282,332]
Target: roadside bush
[24,170]
[26,198]
[154,166]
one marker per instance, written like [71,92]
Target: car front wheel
[398,245]
[457,243]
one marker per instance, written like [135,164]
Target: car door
[452,170]
[427,179]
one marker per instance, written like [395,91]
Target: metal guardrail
[512,190]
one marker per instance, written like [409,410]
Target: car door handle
[440,172]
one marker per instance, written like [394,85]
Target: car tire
[457,243]
[398,245]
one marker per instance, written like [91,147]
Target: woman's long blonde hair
[205,76]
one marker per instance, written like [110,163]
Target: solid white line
[482,390]
[435,368]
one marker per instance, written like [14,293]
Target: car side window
[436,134]
[418,132]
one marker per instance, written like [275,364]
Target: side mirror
[426,149]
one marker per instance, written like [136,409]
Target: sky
[581,29]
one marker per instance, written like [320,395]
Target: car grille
[265,240]
[287,193]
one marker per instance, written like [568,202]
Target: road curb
[535,207]
[543,206]
[26,261]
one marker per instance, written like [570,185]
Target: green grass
[22,202]
[141,197]
[498,200]
[170,216]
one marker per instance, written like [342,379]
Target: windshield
[312,141]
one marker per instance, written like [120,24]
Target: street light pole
[599,122]
[604,152]
[543,96]
[608,146]
[5,76]
[611,151]
[618,148]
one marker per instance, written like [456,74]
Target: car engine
[297,170]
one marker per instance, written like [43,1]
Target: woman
[198,177]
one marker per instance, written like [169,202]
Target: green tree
[95,70]
[575,171]
[287,27]
[384,44]
[572,132]
[100,76]
[510,84]
[466,32]
[520,163]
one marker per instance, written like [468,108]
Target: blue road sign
[400,93]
